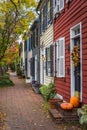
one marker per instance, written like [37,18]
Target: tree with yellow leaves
[15,17]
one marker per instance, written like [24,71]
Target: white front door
[76,65]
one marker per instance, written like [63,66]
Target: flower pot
[53,102]
[28,81]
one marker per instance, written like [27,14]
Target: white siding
[47,40]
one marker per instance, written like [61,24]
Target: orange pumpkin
[66,106]
[74,101]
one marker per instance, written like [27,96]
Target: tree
[15,17]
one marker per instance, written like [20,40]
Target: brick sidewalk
[23,108]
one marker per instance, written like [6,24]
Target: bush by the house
[48,91]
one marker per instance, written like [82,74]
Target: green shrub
[5,76]
[19,72]
[45,91]
[49,91]
[82,113]
[6,82]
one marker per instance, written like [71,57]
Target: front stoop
[60,115]
[58,118]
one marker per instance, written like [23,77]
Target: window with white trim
[60,58]
[58,5]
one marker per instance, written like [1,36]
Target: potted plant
[82,113]
[53,99]
[27,80]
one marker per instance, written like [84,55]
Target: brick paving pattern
[23,108]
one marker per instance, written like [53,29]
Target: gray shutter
[40,23]
[32,66]
[51,60]
[46,15]
[51,10]
[44,18]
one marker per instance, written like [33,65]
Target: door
[76,65]
[77,74]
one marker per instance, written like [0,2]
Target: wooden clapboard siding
[71,15]
[47,40]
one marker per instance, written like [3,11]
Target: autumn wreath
[76,55]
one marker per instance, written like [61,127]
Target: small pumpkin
[66,106]
[75,101]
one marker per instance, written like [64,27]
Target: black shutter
[44,18]
[46,15]
[25,45]
[31,42]
[46,63]
[51,60]
[51,11]
[32,66]
[37,36]
[26,64]
[33,38]
[40,22]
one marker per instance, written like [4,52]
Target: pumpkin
[66,106]
[74,101]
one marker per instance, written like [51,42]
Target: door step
[61,117]
[57,116]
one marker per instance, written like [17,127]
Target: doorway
[76,68]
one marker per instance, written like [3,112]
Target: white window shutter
[61,4]
[62,58]
[57,59]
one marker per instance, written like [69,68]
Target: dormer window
[58,6]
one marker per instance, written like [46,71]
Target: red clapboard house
[70,38]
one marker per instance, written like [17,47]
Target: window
[58,5]
[60,58]
[49,61]
[46,15]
